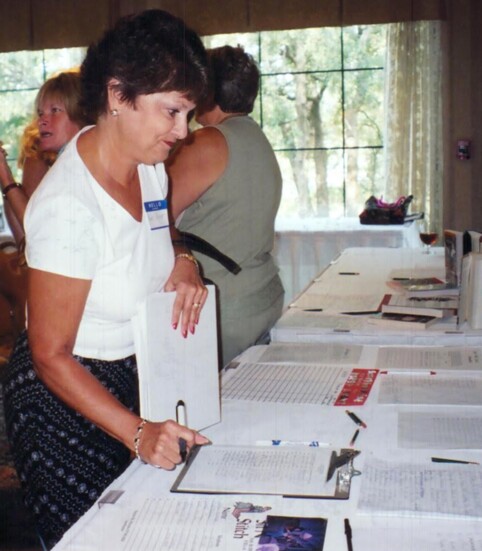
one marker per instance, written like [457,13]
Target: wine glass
[428,236]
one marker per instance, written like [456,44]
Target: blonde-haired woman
[58,118]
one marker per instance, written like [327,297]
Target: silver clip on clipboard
[342,465]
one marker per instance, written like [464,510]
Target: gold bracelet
[189,257]
[137,438]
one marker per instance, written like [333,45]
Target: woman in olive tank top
[226,189]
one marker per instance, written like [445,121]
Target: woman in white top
[98,242]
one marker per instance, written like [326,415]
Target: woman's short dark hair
[234,79]
[152,51]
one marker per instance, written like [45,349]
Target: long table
[356,281]
[301,253]
[136,518]
[426,402]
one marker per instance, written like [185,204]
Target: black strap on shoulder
[200,245]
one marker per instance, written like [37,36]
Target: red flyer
[357,387]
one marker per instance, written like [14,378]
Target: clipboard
[263,470]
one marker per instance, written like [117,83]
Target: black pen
[181,419]
[355,418]
[348,536]
[460,461]
[313,310]
[361,313]
[348,273]
[355,436]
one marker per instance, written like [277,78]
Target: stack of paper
[438,307]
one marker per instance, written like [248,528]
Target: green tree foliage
[321,106]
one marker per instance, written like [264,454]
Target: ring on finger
[196,304]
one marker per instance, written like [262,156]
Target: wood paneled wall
[463,115]
[37,24]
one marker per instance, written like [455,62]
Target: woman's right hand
[159,443]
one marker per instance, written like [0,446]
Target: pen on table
[348,535]
[348,273]
[355,436]
[460,461]
[313,310]
[356,419]
[361,313]
[181,419]
[310,444]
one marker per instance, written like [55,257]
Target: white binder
[173,368]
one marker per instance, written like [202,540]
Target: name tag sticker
[157,214]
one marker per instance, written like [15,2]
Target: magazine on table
[438,307]
[424,287]
[402,321]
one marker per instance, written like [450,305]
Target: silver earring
[114,112]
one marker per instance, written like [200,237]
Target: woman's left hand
[191,294]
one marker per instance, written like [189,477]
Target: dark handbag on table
[377,211]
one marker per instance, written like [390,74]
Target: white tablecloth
[249,422]
[301,254]
[372,269]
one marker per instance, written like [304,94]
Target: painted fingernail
[184,333]
[193,329]
[174,325]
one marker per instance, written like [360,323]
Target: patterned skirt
[64,462]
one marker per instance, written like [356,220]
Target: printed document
[300,471]
[430,390]
[175,523]
[329,353]
[284,383]
[438,358]
[416,536]
[439,430]
[432,489]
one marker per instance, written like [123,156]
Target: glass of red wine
[427,236]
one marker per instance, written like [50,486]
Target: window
[321,105]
